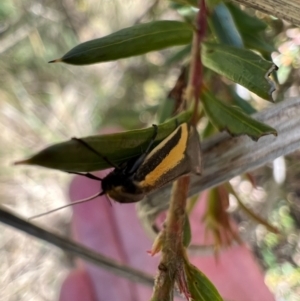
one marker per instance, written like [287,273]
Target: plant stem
[172,250]
[196,69]
[171,265]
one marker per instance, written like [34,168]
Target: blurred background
[45,103]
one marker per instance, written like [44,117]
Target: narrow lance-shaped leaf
[258,42]
[165,110]
[131,41]
[199,286]
[242,103]
[244,21]
[241,66]
[223,26]
[251,29]
[118,148]
[232,119]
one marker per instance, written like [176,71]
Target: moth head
[112,180]
[121,188]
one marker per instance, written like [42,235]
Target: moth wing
[191,162]
[181,169]
[193,152]
[185,160]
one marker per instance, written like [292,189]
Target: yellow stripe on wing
[176,154]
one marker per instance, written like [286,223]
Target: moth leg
[87,175]
[95,152]
[152,139]
[142,157]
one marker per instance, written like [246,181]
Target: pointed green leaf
[165,110]
[208,131]
[241,66]
[131,41]
[242,103]
[223,26]
[233,120]
[257,42]
[251,29]
[118,148]
[244,21]
[200,287]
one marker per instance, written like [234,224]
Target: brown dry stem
[171,263]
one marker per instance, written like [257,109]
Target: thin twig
[74,248]
[196,68]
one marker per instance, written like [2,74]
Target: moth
[177,155]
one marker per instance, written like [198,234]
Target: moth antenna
[96,152]
[68,205]
[87,175]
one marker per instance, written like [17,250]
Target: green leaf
[241,66]
[179,56]
[223,26]
[200,287]
[131,41]
[251,30]
[257,42]
[242,103]
[118,148]
[208,131]
[165,109]
[244,21]
[233,120]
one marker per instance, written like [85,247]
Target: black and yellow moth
[177,155]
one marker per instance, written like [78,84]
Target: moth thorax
[115,179]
